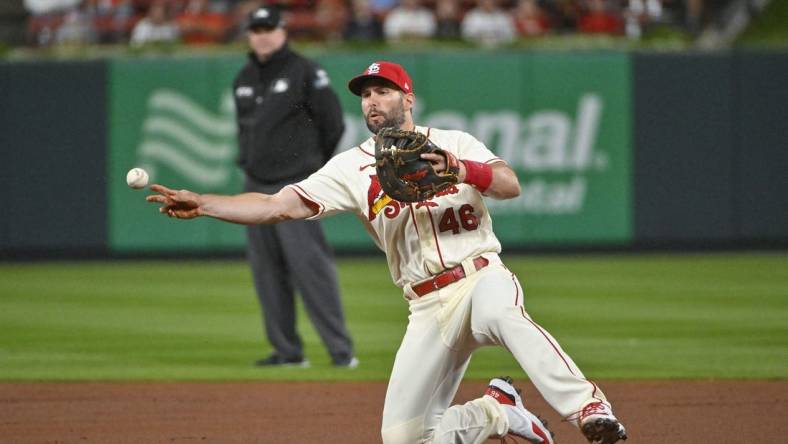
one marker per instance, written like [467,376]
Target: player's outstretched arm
[246,208]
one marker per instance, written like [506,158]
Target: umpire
[289,124]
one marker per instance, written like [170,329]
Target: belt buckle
[435,284]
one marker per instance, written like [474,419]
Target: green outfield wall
[612,149]
[566,135]
[53,150]
[175,119]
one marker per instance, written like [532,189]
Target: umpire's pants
[294,256]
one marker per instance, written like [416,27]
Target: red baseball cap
[390,71]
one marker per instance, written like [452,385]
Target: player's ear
[410,100]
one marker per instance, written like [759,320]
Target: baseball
[137,178]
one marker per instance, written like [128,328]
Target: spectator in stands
[239,18]
[156,27]
[76,29]
[380,8]
[640,13]
[529,19]
[331,17]
[200,23]
[113,19]
[599,19]
[39,7]
[646,10]
[563,14]
[363,25]
[694,15]
[447,13]
[45,17]
[410,20]
[488,25]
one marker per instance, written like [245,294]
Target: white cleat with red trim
[522,423]
[599,425]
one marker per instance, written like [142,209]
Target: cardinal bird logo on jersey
[378,201]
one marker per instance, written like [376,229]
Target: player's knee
[396,437]
[403,433]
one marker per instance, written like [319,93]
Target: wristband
[477,174]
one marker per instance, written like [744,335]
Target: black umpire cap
[264,17]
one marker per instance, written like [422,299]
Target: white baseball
[137,178]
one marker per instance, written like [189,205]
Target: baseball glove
[403,174]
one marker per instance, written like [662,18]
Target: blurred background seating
[41,23]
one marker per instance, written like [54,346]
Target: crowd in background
[484,22]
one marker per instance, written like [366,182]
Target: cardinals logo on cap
[390,71]
[373,69]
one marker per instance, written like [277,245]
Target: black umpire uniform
[289,124]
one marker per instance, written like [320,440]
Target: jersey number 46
[463,217]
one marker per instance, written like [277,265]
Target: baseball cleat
[522,423]
[277,360]
[599,426]
[350,363]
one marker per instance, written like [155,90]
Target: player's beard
[392,119]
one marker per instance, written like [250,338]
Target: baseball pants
[292,256]
[444,328]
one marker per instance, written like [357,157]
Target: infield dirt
[348,413]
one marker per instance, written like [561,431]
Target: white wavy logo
[195,143]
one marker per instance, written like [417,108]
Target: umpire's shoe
[348,363]
[277,360]
[599,425]
[522,423]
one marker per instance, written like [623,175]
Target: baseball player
[443,253]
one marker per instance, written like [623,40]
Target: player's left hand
[183,204]
[438,162]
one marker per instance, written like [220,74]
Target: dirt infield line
[347,413]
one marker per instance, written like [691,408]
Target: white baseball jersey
[420,239]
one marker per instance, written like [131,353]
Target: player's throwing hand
[183,204]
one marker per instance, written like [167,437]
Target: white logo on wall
[546,141]
[196,143]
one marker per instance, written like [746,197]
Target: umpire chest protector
[289,120]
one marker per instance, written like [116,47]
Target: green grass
[768,29]
[618,316]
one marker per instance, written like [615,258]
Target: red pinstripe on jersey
[435,234]
[413,218]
